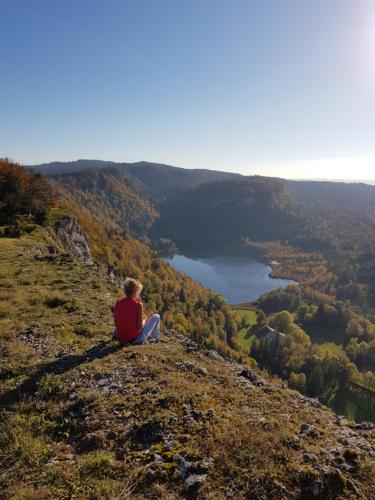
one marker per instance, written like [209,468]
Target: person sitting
[132,326]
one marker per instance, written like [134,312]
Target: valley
[318,234]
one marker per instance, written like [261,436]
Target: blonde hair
[131,285]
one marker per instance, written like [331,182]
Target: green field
[328,338]
[246,342]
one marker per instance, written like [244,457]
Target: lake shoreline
[239,279]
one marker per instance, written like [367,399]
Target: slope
[109,193]
[218,216]
[83,418]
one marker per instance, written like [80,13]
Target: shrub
[56,300]
[95,463]
[48,386]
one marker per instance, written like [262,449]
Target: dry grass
[70,435]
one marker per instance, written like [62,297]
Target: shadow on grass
[57,366]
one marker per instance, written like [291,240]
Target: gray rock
[169,445]
[211,414]
[309,430]
[214,354]
[191,367]
[314,402]
[194,482]
[252,376]
[305,428]
[184,438]
[309,458]
[190,468]
[365,426]
[293,442]
[315,489]
[73,239]
[158,459]
[185,466]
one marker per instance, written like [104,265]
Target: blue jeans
[151,330]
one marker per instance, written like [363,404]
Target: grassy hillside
[182,303]
[248,318]
[83,418]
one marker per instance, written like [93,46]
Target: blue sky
[274,87]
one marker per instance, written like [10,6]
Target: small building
[264,331]
[270,335]
[275,337]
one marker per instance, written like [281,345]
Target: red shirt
[126,314]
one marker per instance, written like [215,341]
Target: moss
[170,466]
[168,455]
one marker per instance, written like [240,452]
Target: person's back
[126,318]
[131,324]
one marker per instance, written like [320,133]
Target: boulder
[251,375]
[73,239]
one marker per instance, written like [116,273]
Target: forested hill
[205,196]
[343,196]
[114,198]
[156,178]
[218,216]
[62,167]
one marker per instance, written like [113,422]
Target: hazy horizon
[246,172]
[273,88]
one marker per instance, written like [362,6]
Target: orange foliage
[22,193]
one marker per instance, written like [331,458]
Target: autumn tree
[297,381]
[282,321]
[22,193]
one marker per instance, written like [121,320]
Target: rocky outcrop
[73,239]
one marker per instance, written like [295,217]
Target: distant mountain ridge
[60,167]
[157,177]
[160,178]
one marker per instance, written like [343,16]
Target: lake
[238,279]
